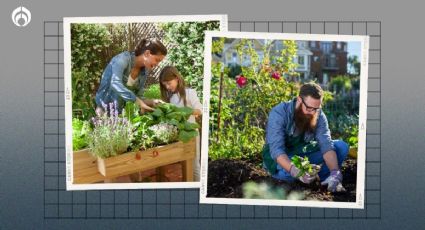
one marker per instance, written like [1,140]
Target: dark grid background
[184,203]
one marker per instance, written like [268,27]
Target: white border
[68,94]
[360,183]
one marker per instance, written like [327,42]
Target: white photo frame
[360,181]
[68,92]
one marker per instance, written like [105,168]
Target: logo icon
[21,16]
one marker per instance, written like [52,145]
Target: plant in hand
[111,134]
[303,164]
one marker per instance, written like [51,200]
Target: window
[313,44]
[234,57]
[326,47]
[301,60]
[333,60]
[316,58]
[338,45]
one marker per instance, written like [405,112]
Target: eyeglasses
[309,108]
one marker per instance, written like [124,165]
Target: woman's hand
[143,106]
[153,102]
[157,102]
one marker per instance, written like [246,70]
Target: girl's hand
[143,106]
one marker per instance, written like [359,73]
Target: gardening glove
[306,178]
[334,182]
[143,106]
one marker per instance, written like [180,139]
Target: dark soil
[226,177]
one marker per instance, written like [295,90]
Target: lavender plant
[111,134]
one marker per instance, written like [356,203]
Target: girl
[174,91]
[129,70]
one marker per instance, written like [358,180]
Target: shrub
[247,99]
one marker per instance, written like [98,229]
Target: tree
[354,65]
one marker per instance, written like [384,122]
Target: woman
[124,77]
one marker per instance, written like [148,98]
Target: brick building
[328,60]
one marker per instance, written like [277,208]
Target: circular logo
[21,16]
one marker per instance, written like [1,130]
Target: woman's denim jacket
[114,78]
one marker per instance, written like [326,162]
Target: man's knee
[341,149]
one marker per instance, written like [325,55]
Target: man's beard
[305,122]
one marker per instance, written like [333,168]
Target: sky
[354,49]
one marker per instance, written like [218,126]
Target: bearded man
[299,127]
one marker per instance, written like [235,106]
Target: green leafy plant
[153,92]
[159,126]
[164,133]
[80,131]
[253,190]
[303,164]
[353,139]
[178,116]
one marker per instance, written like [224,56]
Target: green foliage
[234,71]
[164,133]
[354,64]
[80,131]
[153,92]
[253,190]
[303,164]
[344,127]
[87,43]
[178,116]
[159,126]
[244,110]
[341,84]
[353,139]
[187,52]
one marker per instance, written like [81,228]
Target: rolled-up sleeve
[116,81]
[323,134]
[275,132]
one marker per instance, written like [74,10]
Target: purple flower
[116,109]
[105,107]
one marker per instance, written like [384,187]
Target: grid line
[92,202]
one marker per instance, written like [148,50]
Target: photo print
[133,100]
[286,117]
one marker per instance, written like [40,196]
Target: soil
[226,177]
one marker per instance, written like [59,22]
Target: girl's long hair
[169,73]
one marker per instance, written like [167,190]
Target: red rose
[241,80]
[276,75]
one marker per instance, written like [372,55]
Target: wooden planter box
[132,162]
